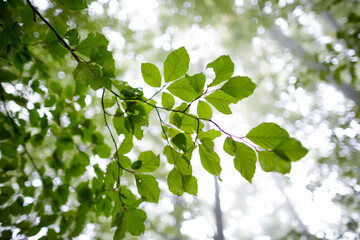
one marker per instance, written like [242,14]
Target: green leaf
[121,124]
[82,74]
[100,55]
[73,37]
[267,135]
[210,161]
[74,5]
[229,147]
[151,74]
[136,165]
[183,164]
[290,149]
[6,193]
[212,134]
[7,76]
[190,124]
[239,87]
[93,40]
[135,221]
[208,144]
[221,100]
[204,110]
[176,64]
[183,90]
[167,100]
[103,150]
[190,184]
[270,162]
[174,181]
[180,141]
[34,117]
[120,221]
[223,68]
[197,82]
[124,161]
[245,160]
[147,187]
[126,145]
[150,162]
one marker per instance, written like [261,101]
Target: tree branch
[61,40]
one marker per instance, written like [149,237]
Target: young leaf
[180,141]
[239,87]
[151,74]
[174,181]
[167,100]
[267,135]
[212,134]
[183,90]
[183,164]
[197,82]
[190,184]
[135,221]
[73,37]
[210,161]
[93,40]
[204,110]
[270,162]
[103,57]
[126,145]
[176,64]
[150,162]
[245,160]
[229,147]
[223,68]
[291,150]
[221,100]
[148,187]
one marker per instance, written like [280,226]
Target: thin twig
[157,92]
[243,139]
[61,40]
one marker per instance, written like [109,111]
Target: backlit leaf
[174,181]
[151,74]
[239,87]
[290,149]
[223,68]
[270,162]
[197,81]
[135,221]
[176,64]
[221,101]
[190,184]
[267,135]
[148,187]
[210,161]
[183,90]
[204,110]
[150,162]
[245,160]
[167,100]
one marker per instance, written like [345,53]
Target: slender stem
[243,139]
[157,92]
[116,151]
[61,40]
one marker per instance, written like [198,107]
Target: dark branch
[61,40]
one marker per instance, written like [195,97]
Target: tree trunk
[218,213]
